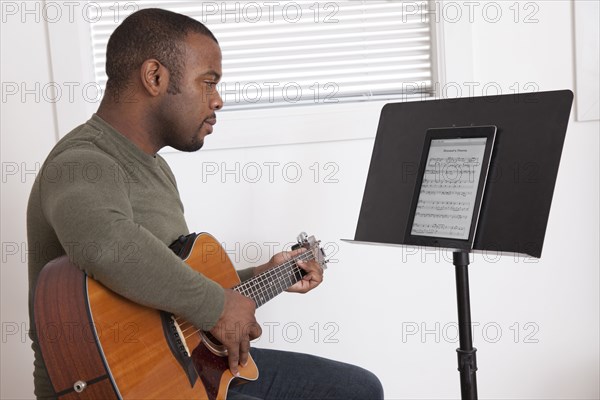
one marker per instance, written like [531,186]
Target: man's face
[187,117]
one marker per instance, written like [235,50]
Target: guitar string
[263,285]
[267,286]
[256,281]
[251,284]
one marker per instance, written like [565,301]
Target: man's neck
[127,120]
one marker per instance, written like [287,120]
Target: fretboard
[265,286]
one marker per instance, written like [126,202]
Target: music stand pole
[467,363]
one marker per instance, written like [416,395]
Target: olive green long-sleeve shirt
[114,210]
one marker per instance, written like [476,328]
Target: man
[103,187]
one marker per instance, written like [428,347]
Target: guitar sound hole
[213,344]
[213,339]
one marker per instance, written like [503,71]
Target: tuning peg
[302,237]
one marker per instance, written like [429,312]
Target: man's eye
[211,85]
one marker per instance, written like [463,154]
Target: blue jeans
[294,376]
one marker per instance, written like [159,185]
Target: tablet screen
[451,183]
[449,187]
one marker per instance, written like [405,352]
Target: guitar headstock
[311,244]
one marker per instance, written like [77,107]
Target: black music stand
[516,201]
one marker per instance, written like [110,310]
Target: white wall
[387,309]
[27,135]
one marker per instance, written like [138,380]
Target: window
[356,57]
[285,53]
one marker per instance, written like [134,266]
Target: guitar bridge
[179,338]
[178,346]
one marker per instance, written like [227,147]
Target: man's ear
[154,77]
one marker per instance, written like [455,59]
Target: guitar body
[99,345]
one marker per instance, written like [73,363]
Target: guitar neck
[265,286]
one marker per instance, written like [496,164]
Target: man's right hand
[236,327]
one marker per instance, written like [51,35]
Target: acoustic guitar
[97,344]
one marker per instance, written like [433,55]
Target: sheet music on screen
[449,188]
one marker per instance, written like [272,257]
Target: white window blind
[282,53]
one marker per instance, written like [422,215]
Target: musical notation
[448,190]
[442,230]
[441,205]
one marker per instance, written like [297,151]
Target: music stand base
[467,362]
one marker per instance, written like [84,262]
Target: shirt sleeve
[93,220]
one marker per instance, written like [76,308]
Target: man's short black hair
[146,34]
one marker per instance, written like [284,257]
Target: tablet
[450,186]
